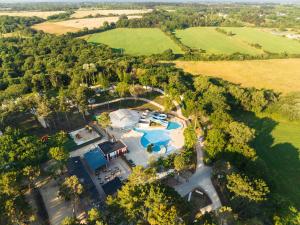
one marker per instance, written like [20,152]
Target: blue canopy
[95,159]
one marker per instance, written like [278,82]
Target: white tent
[124,118]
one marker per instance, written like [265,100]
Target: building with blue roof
[95,159]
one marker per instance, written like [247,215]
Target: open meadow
[277,143]
[269,42]
[136,41]
[207,38]
[212,41]
[40,14]
[281,75]
[73,25]
[106,12]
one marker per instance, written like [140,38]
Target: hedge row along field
[137,41]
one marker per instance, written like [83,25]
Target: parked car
[131,163]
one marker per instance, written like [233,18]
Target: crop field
[136,41]
[73,25]
[54,28]
[207,38]
[268,41]
[278,144]
[281,75]
[106,12]
[40,14]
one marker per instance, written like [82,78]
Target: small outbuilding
[112,150]
[124,119]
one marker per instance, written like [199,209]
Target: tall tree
[241,186]
[71,189]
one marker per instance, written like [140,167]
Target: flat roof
[109,147]
[75,167]
[112,186]
[95,159]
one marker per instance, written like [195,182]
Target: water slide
[161,122]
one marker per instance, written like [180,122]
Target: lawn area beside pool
[136,41]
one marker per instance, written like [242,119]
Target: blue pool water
[158,138]
[173,125]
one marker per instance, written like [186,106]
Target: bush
[150,148]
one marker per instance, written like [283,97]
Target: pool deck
[138,153]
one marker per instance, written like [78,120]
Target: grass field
[207,38]
[277,142]
[40,14]
[137,41]
[281,75]
[268,41]
[106,12]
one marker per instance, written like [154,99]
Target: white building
[124,119]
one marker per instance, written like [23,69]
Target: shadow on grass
[277,163]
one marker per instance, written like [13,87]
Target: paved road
[202,178]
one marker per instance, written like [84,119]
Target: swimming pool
[158,137]
[173,125]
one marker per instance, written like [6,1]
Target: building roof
[112,186]
[75,167]
[95,159]
[109,147]
[124,118]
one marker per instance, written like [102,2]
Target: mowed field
[207,38]
[268,41]
[136,41]
[277,143]
[281,75]
[73,25]
[106,12]
[40,14]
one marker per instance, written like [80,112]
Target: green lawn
[278,144]
[207,38]
[136,41]
[267,40]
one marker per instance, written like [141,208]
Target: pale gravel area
[57,208]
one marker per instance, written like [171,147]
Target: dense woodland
[10,24]
[49,76]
